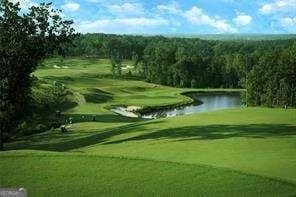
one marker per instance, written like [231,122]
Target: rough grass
[238,152]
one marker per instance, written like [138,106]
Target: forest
[265,68]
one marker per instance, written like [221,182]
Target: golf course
[238,151]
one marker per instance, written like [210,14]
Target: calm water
[210,102]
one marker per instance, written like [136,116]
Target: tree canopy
[26,37]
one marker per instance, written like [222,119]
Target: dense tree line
[272,80]
[266,68]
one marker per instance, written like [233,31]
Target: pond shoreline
[190,99]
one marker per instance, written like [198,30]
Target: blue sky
[178,16]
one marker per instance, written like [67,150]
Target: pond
[204,102]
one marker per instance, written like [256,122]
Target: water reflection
[210,102]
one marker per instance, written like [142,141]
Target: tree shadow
[106,118]
[90,77]
[96,95]
[74,140]
[217,132]
[67,142]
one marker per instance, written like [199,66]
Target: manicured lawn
[48,174]
[237,152]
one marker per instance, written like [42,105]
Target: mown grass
[83,175]
[238,152]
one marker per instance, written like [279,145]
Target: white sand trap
[132,108]
[127,67]
[122,111]
[128,111]
[55,66]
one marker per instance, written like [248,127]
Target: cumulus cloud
[126,9]
[71,6]
[242,19]
[278,6]
[289,21]
[134,16]
[196,16]
[172,8]
[119,25]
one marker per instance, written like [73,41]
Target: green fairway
[47,174]
[235,152]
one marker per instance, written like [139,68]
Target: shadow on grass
[95,95]
[75,140]
[216,132]
[107,118]
[69,141]
[88,78]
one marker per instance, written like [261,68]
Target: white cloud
[119,25]
[288,21]
[136,17]
[127,9]
[172,8]
[196,16]
[278,6]
[71,6]
[141,21]
[242,19]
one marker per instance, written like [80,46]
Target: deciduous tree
[26,38]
